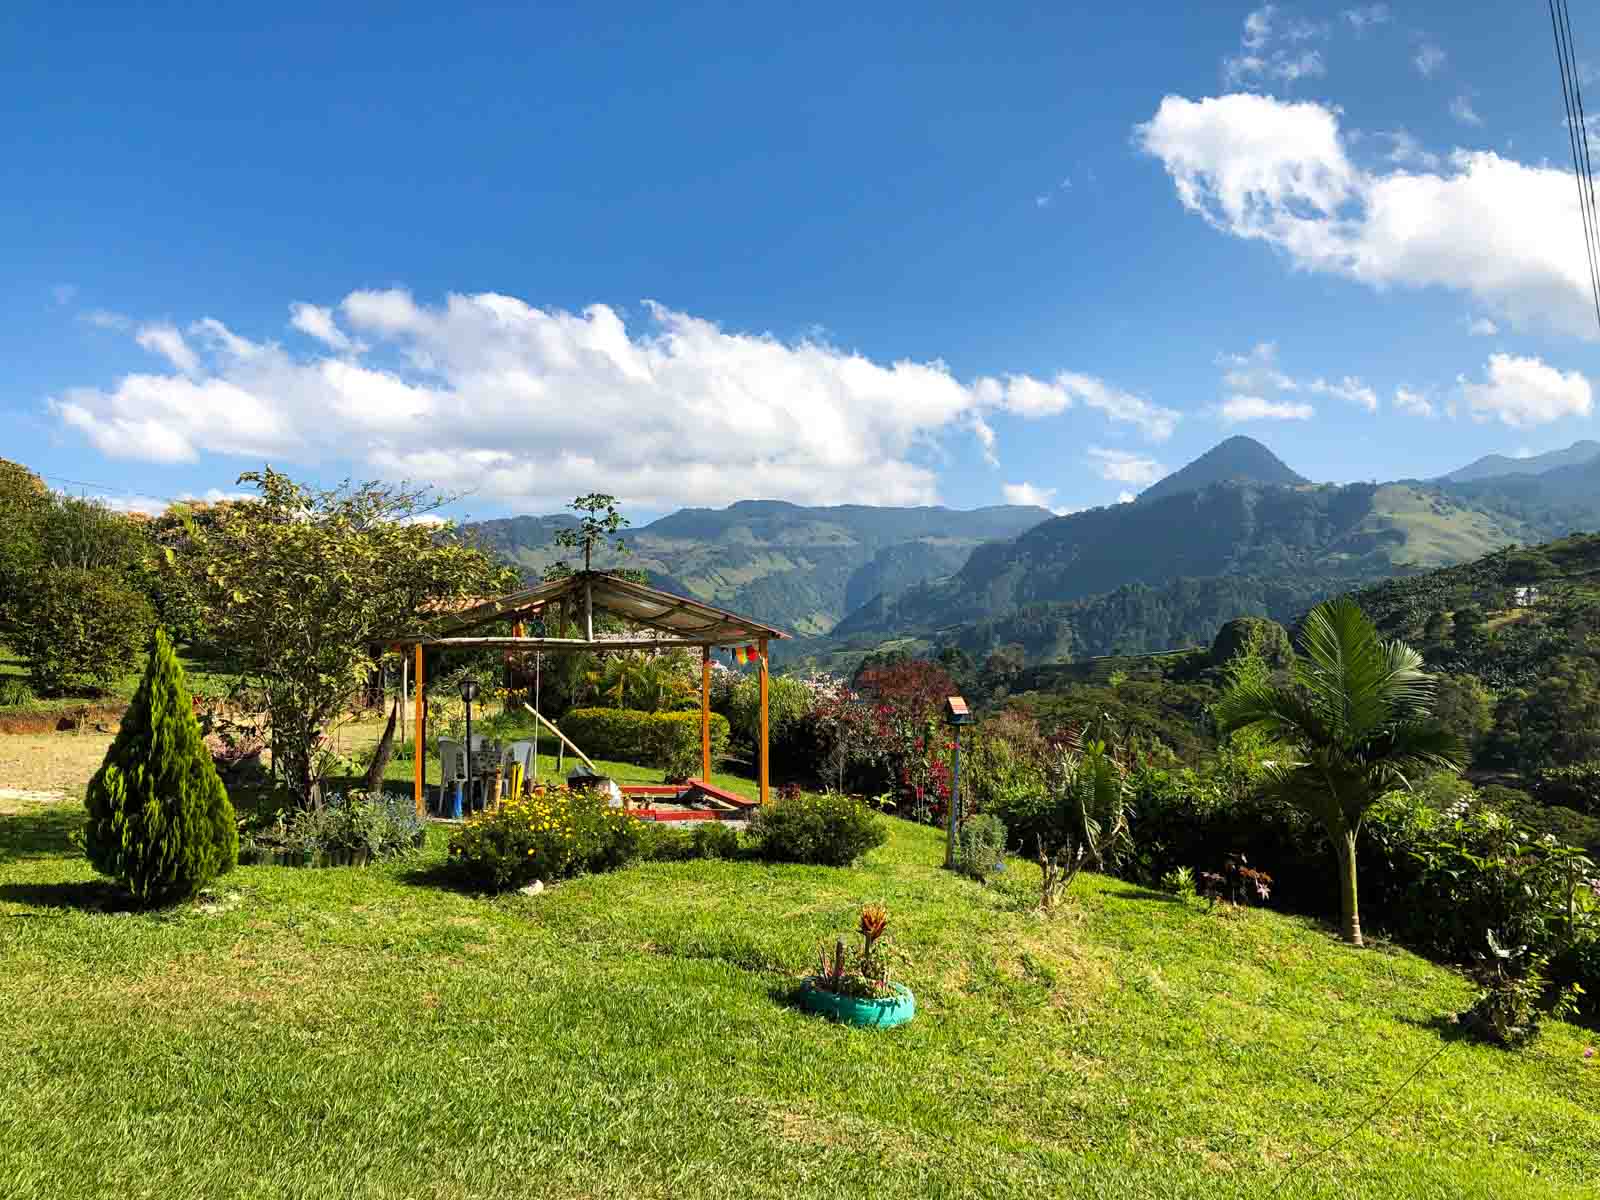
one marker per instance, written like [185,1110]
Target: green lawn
[365,1033]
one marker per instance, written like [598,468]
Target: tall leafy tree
[24,505]
[159,818]
[598,522]
[302,587]
[1350,724]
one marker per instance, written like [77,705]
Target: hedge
[652,739]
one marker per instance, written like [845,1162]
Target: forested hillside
[1265,549]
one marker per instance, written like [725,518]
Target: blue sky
[957,253]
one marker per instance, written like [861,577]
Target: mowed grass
[367,1033]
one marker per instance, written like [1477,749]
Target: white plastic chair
[518,752]
[452,760]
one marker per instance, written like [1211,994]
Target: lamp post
[469,693]
[956,714]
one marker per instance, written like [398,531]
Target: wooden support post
[766,749]
[565,741]
[419,764]
[588,611]
[705,714]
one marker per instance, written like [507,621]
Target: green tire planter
[877,1014]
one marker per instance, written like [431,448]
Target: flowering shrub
[1238,883]
[552,833]
[829,830]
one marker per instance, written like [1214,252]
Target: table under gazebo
[572,603]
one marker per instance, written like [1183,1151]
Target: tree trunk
[385,751]
[1344,845]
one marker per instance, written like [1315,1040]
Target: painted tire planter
[876,1014]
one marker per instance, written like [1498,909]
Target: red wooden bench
[699,787]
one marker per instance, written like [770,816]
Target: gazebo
[674,621]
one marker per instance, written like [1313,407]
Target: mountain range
[1236,460]
[1235,532]
[1492,466]
[803,569]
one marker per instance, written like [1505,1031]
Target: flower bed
[552,833]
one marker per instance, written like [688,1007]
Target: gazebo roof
[683,621]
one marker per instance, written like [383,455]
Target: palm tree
[1351,724]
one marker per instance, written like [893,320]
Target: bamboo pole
[419,757]
[765,746]
[550,725]
[705,713]
[554,644]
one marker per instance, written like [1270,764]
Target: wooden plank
[565,741]
[765,744]
[555,644]
[705,711]
[419,755]
[712,792]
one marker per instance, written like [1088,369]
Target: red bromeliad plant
[867,977]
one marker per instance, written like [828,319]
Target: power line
[1583,126]
[1578,141]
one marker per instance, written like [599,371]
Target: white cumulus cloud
[1254,375]
[1349,389]
[168,342]
[529,406]
[1124,466]
[1412,403]
[1258,408]
[1268,170]
[319,323]
[1154,421]
[1032,495]
[1482,327]
[1270,49]
[1523,392]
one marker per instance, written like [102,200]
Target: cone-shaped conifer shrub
[159,818]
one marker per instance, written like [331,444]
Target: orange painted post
[705,714]
[419,763]
[765,747]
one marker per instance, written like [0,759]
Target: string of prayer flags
[745,654]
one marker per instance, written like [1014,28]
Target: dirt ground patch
[79,718]
[58,762]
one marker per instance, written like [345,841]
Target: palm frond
[1358,681]
[1407,749]
[1284,713]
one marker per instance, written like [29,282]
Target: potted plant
[858,990]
